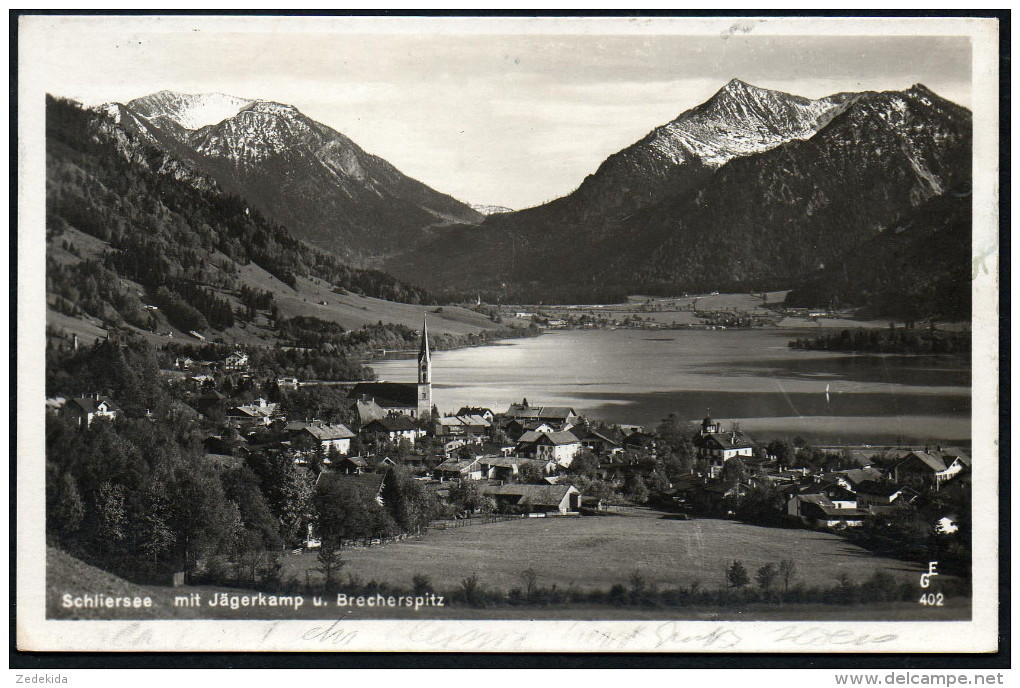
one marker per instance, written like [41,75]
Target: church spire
[423,352]
[424,374]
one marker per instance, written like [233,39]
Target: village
[531,459]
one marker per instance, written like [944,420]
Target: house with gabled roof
[459,469]
[620,467]
[558,416]
[819,511]
[236,361]
[929,469]
[88,409]
[600,442]
[393,428]
[536,498]
[711,495]
[515,427]
[485,413]
[717,447]
[461,426]
[324,437]
[853,477]
[370,485]
[831,495]
[350,465]
[509,467]
[876,496]
[561,446]
[262,413]
[210,402]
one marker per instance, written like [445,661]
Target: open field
[593,553]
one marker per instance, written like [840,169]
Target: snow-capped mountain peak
[190,111]
[739,120]
[490,209]
[300,172]
[269,107]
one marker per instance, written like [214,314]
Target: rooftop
[560,437]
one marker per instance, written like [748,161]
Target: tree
[498,436]
[584,463]
[637,491]
[411,505]
[734,471]
[343,512]
[421,584]
[241,486]
[530,474]
[404,448]
[766,576]
[286,490]
[758,505]
[468,496]
[529,577]
[111,515]
[330,561]
[736,575]
[65,509]
[658,483]
[250,553]
[782,450]
[787,572]
[596,489]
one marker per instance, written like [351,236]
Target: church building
[408,399]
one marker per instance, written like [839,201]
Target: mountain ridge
[300,172]
[848,165]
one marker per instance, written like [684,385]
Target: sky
[501,118]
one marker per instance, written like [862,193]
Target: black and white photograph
[508,334]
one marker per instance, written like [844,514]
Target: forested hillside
[183,246]
[917,268]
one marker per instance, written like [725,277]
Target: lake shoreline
[748,376]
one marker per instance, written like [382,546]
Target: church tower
[424,375]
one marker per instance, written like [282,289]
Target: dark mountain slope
[915,269]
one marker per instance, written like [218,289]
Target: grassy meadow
[591,553]
[583,553]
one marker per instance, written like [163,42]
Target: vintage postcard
[507,334]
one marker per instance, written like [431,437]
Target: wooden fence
[463,522]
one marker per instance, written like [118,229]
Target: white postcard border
[35,632]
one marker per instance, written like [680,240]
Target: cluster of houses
[828,499]
[519,458]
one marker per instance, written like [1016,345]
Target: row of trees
[767,576]
[905,340]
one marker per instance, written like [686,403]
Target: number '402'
[932,599]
